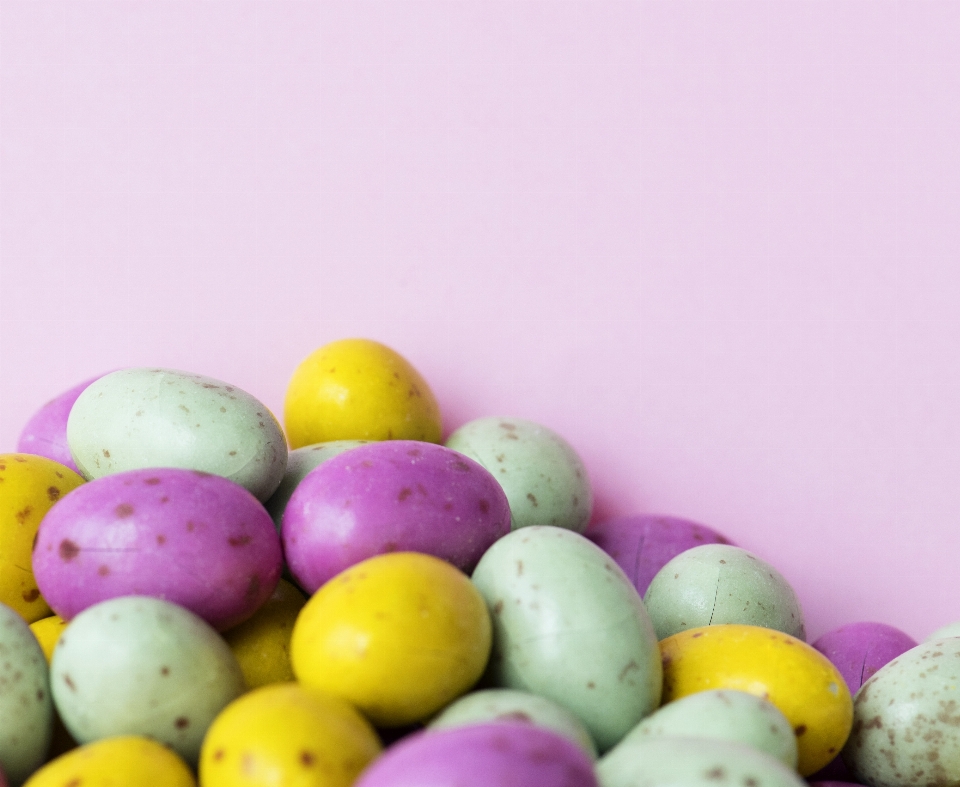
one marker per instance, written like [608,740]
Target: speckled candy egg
[400,495]
[493,705]
[26,711]
[950,630]
[142,666]
[906,728]
[544,478]
[643,544]
[483,755]
[722,714]
[569,625]
[720,583]
[693,762]
[139,418]
[192,538]
[858,650]
[46,431]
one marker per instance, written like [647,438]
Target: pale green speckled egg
[141,666]
[138,418]
[719,583]
[26,709]
[544,479]
[950,630]
[693,762]
[569,625]
[724,714]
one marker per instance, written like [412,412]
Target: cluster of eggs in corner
[187,589]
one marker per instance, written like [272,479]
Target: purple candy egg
[643,544]
[392,496]
[46,432]
[482,755]
[858,650]
[195,539]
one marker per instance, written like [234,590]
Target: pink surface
[714,245]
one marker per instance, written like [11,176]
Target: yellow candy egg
[398,635]
[358,389]
[287,734]
[797,679]
[48,631]
[124,761]
[29,486]
[262,643]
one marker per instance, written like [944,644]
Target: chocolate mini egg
[46,431]
[141,666]
[196,539]
[47,631]
[906,728]
[26,710]
[720,583]
[858,650]
[544,478]
[398,495]
[140,418]
[569,625]
[950,630]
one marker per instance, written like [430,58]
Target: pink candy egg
[398,495]
[195,539]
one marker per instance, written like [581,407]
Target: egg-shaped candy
[906,728]
[286,734]
[358,389]
[543,477]
[121,761]
[721,714]
[950,630]
[493,705]
[482,755]
[858,650]
[399,636]
[400,495]
[299,463]
[46,431]
[47,631]
[142,666]
[693,762]
[141,418]
[26,710]
[569,625]
[643,544]
[720,583]
[29,487]
[797,679]
[193,538]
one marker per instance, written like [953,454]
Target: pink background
[714,244]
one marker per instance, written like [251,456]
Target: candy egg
[47,631]
[140,418]
[543,477]
[858,650]
[720,583]
[643,544]
[483,755]
[46,431]
[399,636]
[141,666]
[122,761]
[906,728]
[950,630]
[29,487]
[400,495]
[26,711]
[493,705]
[196,539]
[357,389]
[569,625]
[793,676]
[287,734]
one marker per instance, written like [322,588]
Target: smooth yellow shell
[29,486]
[262,643]
[48,631]
[358,389]
[399,636]
[290,735]
[797,679]
[124,761]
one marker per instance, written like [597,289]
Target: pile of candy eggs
[184,599]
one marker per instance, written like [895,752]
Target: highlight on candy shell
[794,677]
[359,389]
